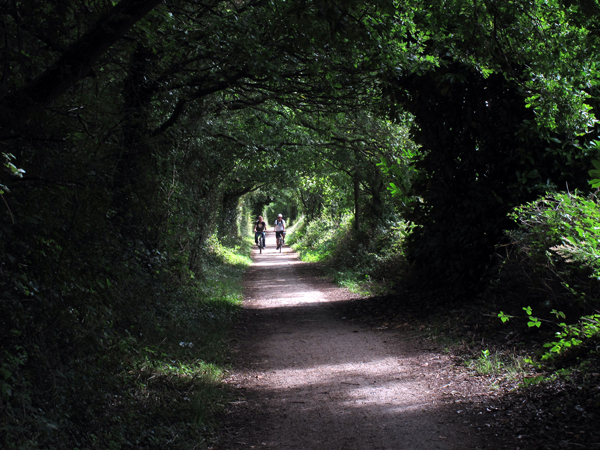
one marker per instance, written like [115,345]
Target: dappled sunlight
[380,383]
[304,300]
[270,256]
[318,380]
[283,292]
[276,259]
[356,405]
[325,373]
[301,297]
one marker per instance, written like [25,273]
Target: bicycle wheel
[260,243]
[280,244]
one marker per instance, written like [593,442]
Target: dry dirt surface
[306,377]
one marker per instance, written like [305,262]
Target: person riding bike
[279,229]
[260,227]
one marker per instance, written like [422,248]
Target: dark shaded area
[140,126]
[481,158]
[538,410]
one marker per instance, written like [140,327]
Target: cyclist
[279,228]
[260,227]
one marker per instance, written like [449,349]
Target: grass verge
[156,380]
[174,384]
[366,262]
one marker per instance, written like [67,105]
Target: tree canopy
[132,131]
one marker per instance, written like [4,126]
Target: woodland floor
[306,377]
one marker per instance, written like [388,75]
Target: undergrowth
[548,264]
[153,385]
[552,262]
[544,277]
[535,332]
[366,261]
[508,365]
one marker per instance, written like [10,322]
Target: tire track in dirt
[308,379]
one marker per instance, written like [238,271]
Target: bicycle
[281,241]
[261,241]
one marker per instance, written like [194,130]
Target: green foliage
[504,317]
[149,380]
[595,173]
[548,262]
[498,363]
[526,42]
[477,161]
[147,128]
[497,119]
[551,263]
[365,262]
[532,321]
[315,240]
[555,263]
[585,331]
[562,230]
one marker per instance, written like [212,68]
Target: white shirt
[279,226]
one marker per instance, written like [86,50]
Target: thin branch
[12,218]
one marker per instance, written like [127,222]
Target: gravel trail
[308,378]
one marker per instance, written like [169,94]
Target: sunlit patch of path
[316,381]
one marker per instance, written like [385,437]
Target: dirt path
[308,378]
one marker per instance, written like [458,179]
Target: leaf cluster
[565,227]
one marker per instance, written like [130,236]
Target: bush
[551,262]
[353,257]
[560,234]
[145,378]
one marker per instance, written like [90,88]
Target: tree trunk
[356,179]
[356,201]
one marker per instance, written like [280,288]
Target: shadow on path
[308,379]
